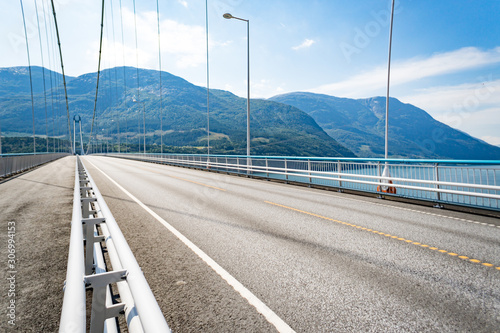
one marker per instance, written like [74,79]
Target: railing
[11,164]
[464,183]
[87,269]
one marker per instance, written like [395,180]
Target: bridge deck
[288,246]
[320,261]
[39,205]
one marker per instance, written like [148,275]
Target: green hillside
[359,124]
[276,129]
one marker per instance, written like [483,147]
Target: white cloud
[264,89]
[482,123]
[365,84]
[183,2]
[305,44]
[494,140]
[471,107]
[181,44]
[463,98]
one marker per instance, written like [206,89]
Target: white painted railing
[465,183]
[87,268]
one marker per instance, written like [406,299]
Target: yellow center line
[186,180]
[476,261]
[192,181]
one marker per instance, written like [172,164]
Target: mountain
[16,80]
[359,124]
[276,128]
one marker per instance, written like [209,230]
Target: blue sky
[446,53]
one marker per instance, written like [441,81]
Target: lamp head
[227,16]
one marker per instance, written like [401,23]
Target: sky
[445,54]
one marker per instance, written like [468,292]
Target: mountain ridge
[359,124]
[276,129]
[299,123]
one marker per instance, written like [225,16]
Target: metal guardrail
[458,182]
[92,223]
[11,164]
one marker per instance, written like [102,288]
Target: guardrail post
[86,209]
[339,170]
[438,194]
[309,172]
[267,168]
[286,171]
[90,239]
[100,312]
[249,166]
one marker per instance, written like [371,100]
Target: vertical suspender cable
[124,74]
[109,93]
[159,64]
[98,74]
[64,77]
[138,85]
[208,83]
[55,90]
[50,76]
[115,72]
[43,74]
[31,79]
[56,83]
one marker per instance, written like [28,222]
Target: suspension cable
[43,75]
[159,64]
[31,79]
[64,76]
[50,76]
[124,73]
[138,85]
[115,72]
[55,90]
[98,74]
[208,82]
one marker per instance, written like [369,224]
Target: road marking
[431,214]
[192,181]
[262,308]
[476,261]
[186,180]
[411,210]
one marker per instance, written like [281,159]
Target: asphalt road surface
[35,217]
[233,254]
[315,261]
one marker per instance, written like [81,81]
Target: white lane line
[262,308]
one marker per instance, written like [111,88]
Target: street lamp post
[388,82]
[229,16]
[386,172]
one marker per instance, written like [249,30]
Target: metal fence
[465,183]
[11,164]
[92,223]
